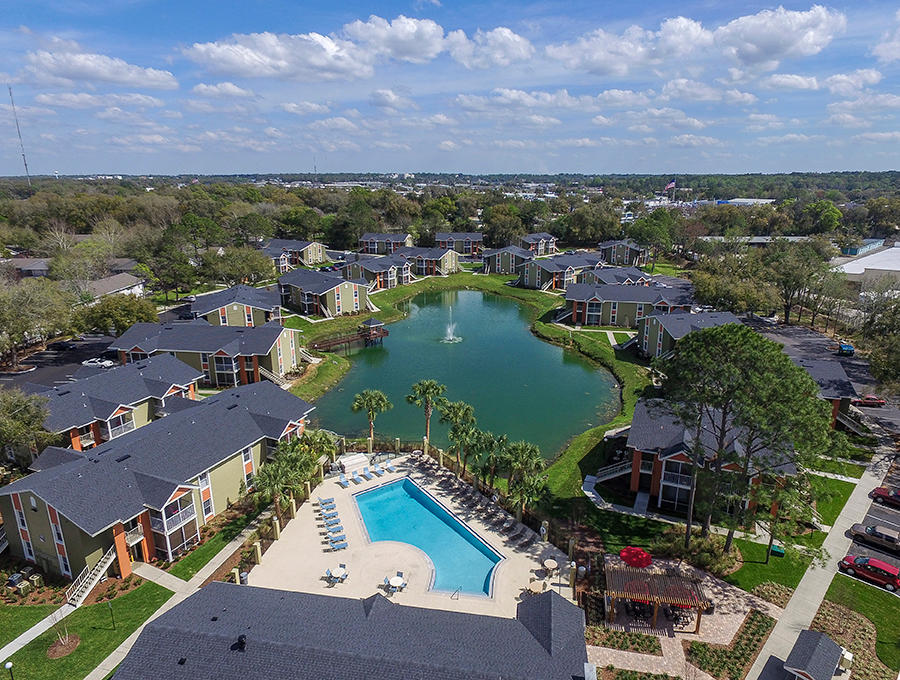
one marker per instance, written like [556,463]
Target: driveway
[58,366]
[885,516]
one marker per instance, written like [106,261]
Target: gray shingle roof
[619,275]
[538,236]
[559,263]
[241,295]
[680,324]
[276,246]
[424,253]
[199,336]
[369,236]
[112,284]
[118,479]
[829,376]
[652,295]
[312,281]
[631,243]
[380,264]
[814,654]
[458,236]
[515,250]
[304,636]
[97,397]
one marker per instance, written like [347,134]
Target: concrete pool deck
[299,559]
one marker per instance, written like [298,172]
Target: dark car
[877,535]
[62,346]
[185,316]
[884,495]
[868,400]
[871,570]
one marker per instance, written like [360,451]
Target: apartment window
[640,310]
[223,317]
[29,551]
[204,360]
[20,519]
[33,503]
[134,357]
[226,370]
[337,300]
[355,298]
[64,565]
[613,308]
[594,309]
[118,425]
[57,533]
[203,479]
[208,507]
[247,456]
[248,311]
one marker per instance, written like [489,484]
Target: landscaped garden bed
[733,661]
[601,636]
[776,593]
[612,673]
[854,632]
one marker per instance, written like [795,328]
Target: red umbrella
[635,557]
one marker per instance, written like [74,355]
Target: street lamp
[8,666]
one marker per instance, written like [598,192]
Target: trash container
[244,576]
[777,551]
[36,580]
[27,571]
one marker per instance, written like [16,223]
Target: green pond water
[519,385]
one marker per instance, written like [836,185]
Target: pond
[519,385]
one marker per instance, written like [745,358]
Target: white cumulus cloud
[790,81]
[889,47]
[497,47]
[84,100]
[388,99]
[849,84]
[692,141]
[68,63]
[225,89]
[403,38]
[304,108]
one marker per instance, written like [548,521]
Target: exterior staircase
[548,285]
[4,543]
[371,305]
[268,375]
[88,578]
[614,470]
[844,420]
[307,357]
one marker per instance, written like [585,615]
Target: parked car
[189,298]
[185,316]
[884,495]
[845,349]
[98,362]
[868,400]
[62,346]
[872,570]
[877,535]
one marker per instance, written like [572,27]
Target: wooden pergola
[654,587]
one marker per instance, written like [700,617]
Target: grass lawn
[93,625]
[618,530]
[621,337]
[321,377]
[159,298]
[664,268]
[839,467]
[879,606]
[195,560]
[835,494]
[15,619]
[787,570]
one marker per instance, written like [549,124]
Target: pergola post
[699,616]
[655,612]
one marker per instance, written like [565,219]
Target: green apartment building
[508,260]
[238,306]
[323,294]
[144,496]
[623,305]
[658,333]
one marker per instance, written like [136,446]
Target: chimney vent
[242,642]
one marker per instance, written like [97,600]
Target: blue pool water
[401,511]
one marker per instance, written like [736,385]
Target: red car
[868,400]
[872,570]
[884,495]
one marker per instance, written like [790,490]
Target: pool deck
[299,559]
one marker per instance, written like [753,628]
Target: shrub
[600,636]
[706,553]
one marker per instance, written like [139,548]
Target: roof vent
[123,458]
[241,643]
[228,408]
[182,661]
[63,392]
[215,618]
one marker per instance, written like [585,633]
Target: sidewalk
[809,594]
[182,590]
[35,631]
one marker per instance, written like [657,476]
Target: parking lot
[885,516]
[56,366]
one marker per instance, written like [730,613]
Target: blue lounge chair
[377,469]
[355,477]
[400,574]
[332,522]
[389,465]
[335,529]
[328,574]
[328,507]
[337,539]
[342,480]
[338,546]
[329,515]
[326,501]
[365,473]
[344,577]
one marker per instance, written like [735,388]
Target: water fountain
[450,332]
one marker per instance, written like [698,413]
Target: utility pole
[19,132]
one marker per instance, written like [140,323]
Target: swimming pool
[402,511]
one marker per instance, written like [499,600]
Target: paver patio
[299,559]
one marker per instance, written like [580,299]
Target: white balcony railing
[677,479]
[135,535]
[646,467]
[173,521]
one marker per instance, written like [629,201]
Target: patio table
[338,573]
[536,586]
[396,581]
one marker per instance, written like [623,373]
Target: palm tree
[461,417]
[427,394]
[319,441]
[493,456]
[522,459]
[466,437]
[273,482]
[372,402]
[527,490]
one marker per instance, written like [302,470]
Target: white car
[98,362]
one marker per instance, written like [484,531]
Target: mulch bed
[223,573]
[112,588]
[775,593]
[600,636]
[60,649]
[610,673]
[732,661]
[855,632]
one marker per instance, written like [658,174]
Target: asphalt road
[173,313]
[55,367]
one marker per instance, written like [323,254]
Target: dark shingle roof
[639,294]
[814,654]
[829,376]
[379,264]
[97,397]
[619,275]
[631,243]
[515,250]
[559,263]
[118,479]
[276,246]
[199,336]
[304,636]
[241,295]
[53,456]
[681,323]
[369,236]
[312,282]
[538,236]
[458,236]
[424,253]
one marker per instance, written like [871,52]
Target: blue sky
[134,86]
